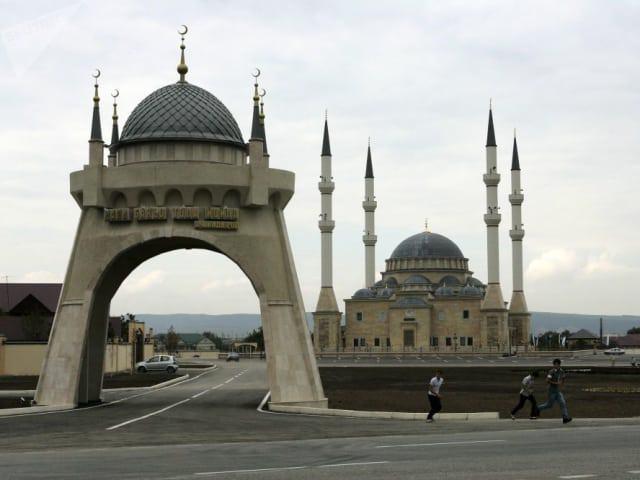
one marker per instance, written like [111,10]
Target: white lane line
[469,442]
[588,475]
[201,393]
[634,472]
[354,464]
[113,427]
[249,471]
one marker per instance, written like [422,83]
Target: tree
[217,340]
[256,336]
[548,340]
[633,331]
[171,340]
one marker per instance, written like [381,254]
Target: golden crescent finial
[186,29]
[257,74]
[115,94]
[96,74]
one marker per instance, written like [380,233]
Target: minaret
[496,331]
[258,156]
[519,316]
[96,144]
[327,317]
[115,135]
[369,238]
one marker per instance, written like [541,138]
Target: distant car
[158,363]
[614,351]
[233,357]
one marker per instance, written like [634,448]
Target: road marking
[350,464]
[588,475]
[133,420]
[469,442]
[201,393]
[250,471]
[634,472]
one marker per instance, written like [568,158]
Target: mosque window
[447,341]
[465,314]
[355,342]
[376,342]
[441,316]
[388,342]
[363,342]
[463,341]
[434,341]
[359,316]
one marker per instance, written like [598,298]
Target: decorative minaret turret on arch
[115,135]
[96,144]
[496,331]
[369,238]
[519,316]
[327,316]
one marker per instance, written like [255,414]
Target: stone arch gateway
[178,141]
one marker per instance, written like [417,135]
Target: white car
[614,351]
[158,363]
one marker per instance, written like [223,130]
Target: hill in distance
[239,324]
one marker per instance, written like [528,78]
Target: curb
[9,412]
[333,412]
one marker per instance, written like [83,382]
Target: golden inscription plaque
[117,214]
[150,214]
[185,213]
[215,225]
[221,213]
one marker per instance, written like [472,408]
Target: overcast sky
[415,76]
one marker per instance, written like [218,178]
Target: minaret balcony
[326,226]
[369,240]
[491,179]
[516,234]
[369,205]
[516,199]
[492,219]
[326,187]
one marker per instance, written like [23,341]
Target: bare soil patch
[593,392]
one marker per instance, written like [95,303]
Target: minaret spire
[519,316]
[256,133]
[263,132]
[369,238]
[96,144]
[115,135]
[493,304]
[182,66]
[327,317]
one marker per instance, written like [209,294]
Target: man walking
[555,379]
[526,393]
[434,395]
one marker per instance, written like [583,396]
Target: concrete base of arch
[104,253]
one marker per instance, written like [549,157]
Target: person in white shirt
[434,395]
[526,393]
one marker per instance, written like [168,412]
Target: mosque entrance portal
[179,177]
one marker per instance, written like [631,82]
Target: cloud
[604,264]
[551,263]
[41,276]
[218,284]
[144,281]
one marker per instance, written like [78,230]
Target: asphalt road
[208,427]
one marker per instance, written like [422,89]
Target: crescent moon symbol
[263,92]
[257,74]
[186,29]
[96,74]
[115,93]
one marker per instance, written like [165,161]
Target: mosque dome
[417,280]
[471,291]
[385,293]
[427,245]
[364,293]
[444,291]
[181,112]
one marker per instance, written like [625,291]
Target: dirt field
[596,392]
[110,381]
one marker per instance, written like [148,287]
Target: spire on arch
[115,135]
[96,128]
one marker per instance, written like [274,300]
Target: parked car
[233,357]
[614,351]
[158,363]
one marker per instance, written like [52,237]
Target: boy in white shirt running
[526,393]
[434,395]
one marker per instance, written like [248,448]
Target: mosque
[427,299]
